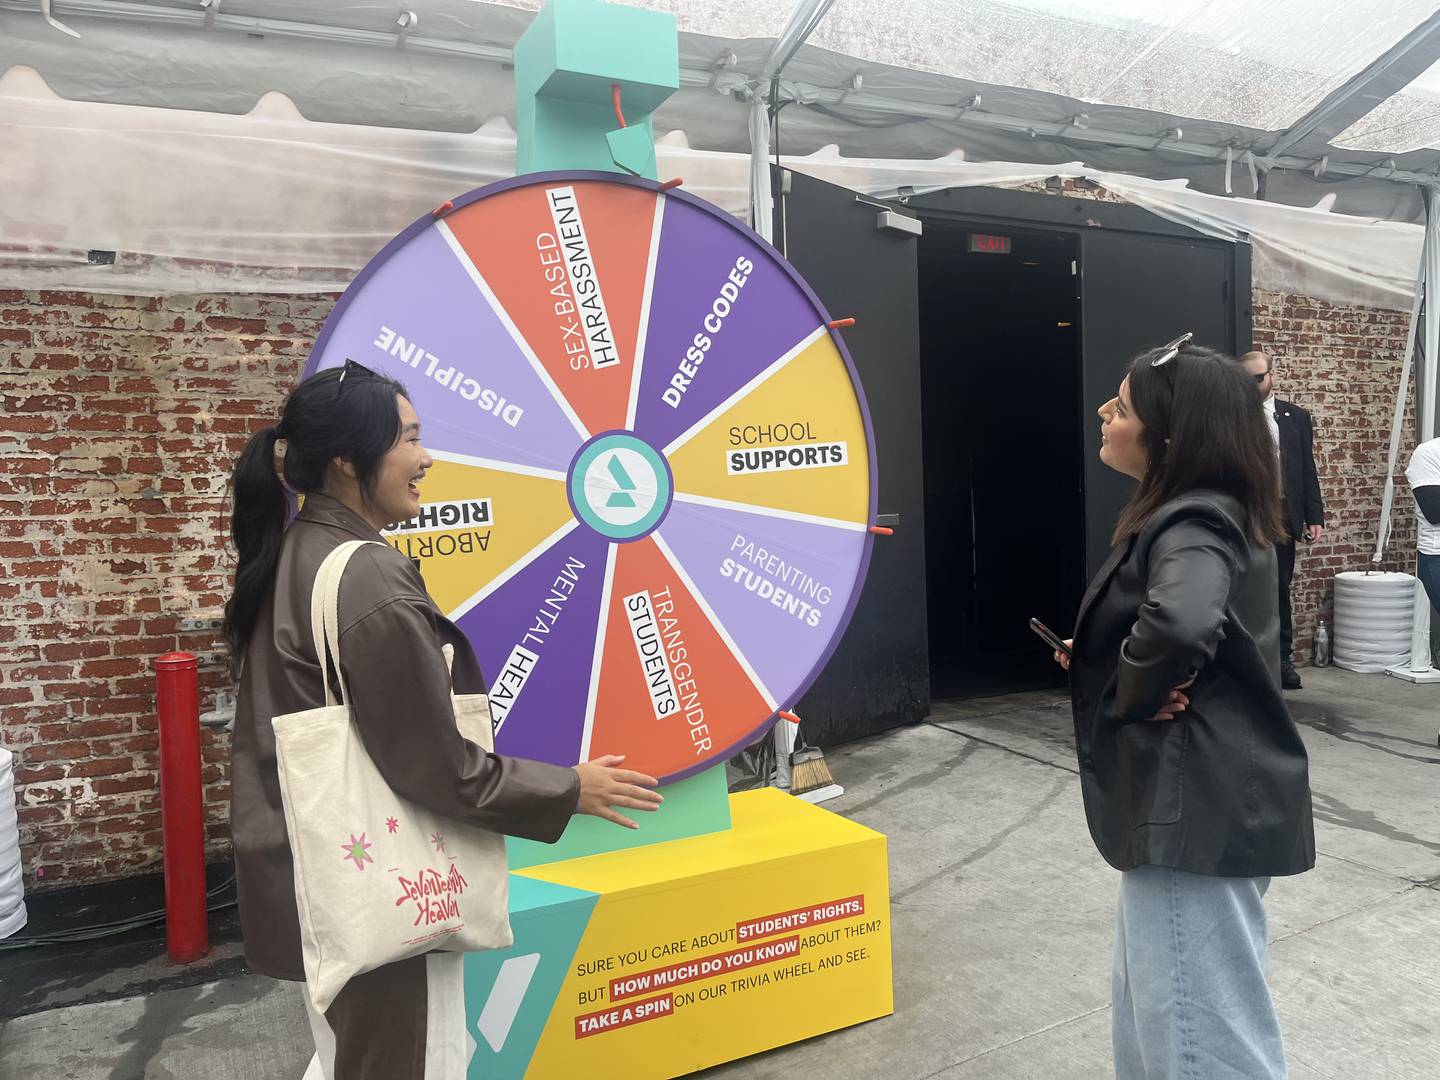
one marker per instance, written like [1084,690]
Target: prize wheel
[653,472]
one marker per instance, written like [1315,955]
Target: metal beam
[802,23]
[1385,76]
[1067,132]
[803,20]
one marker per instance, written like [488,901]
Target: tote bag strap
[325,615]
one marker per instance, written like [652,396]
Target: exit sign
[988,244]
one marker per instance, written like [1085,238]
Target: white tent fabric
[1251,63]
[269,201]
[1122,85]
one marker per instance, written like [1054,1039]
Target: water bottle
[1322,646]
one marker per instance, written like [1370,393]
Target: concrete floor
[1001,918]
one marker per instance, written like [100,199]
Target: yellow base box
[659,961]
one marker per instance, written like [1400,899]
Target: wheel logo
[621,497]
[620,486]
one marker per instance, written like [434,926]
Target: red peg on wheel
[840,324]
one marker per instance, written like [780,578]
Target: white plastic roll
[12,890]
[1373,615]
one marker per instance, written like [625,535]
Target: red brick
[101,726]
[95,422]
[114,785]
[72,690]
[79,650]
[40,673]
[26,423]
[100,669]
[102,767]
[38,773]
[44,403]
[131,824]
[57,751]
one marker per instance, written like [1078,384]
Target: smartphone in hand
[1049,636]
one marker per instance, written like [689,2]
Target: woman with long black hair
[1194,777]
[348,440]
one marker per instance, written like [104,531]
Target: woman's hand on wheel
[1063,659]
[604,786]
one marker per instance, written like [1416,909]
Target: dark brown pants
[382,1025]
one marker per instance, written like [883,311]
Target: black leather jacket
[1224,787]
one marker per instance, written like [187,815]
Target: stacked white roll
[1373,613]
[12,888]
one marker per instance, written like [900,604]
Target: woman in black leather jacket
[1194,777]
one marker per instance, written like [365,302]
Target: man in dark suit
[1294,436]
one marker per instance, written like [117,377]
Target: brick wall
[1342,363]
[121,417]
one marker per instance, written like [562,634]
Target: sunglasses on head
[1172,350]
[351,368]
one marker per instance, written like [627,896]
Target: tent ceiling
[1410,120]
[1251,63]
[1124,85]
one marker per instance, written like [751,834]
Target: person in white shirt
[1301,503]
[1423,473]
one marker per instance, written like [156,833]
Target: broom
[810,777]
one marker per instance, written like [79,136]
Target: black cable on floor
[96,931]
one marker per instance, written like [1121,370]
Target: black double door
[982,376]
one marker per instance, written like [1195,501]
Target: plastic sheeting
[1297,249]
[12,887]
[1410,120]
[1373,619]
[920,62]
[271,202]
[1254,63]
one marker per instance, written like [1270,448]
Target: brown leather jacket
[392,635]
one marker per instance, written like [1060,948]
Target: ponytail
[319,424]
[256,525]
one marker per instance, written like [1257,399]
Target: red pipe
[182,807]
[615,100]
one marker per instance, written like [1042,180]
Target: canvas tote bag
[377,878]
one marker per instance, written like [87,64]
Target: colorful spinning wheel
[653,477]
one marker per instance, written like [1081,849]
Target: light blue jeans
[1188,993]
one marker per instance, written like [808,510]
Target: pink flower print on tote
[358,851]
[392,825]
